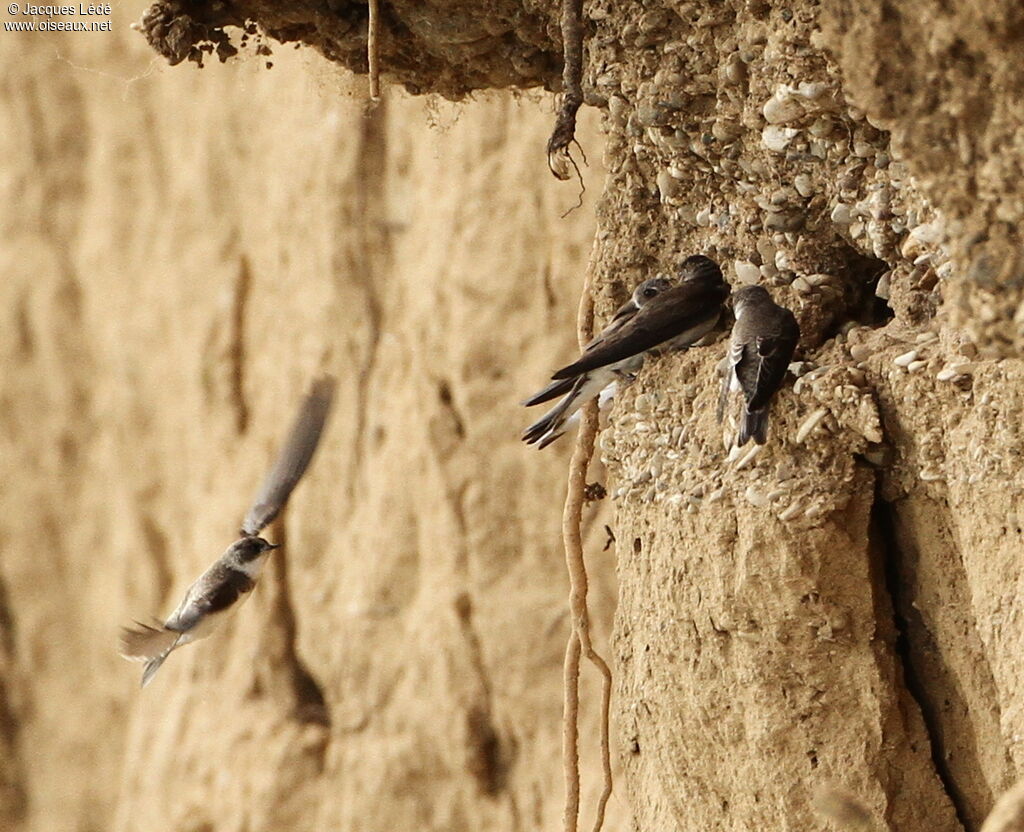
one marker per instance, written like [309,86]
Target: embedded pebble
[916,366]
[863,150]
[755,498]
[777,138]
[882,287]
[782,108]
[668,186]
[931,475]
[792,510]
[716,495]
[821,127]
[746,272]
[952,371]
[858,378]
[735,69]
[812,90]
[906,359]
[801,285]
[841,214]
[804,185]
[928,233]
[809,424]
[860,352]
[748,457]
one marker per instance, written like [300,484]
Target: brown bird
[760,349]
[663,313]
[229,579]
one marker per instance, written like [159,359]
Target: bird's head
[748,296]
[650,289]
[250,548]
[697,267]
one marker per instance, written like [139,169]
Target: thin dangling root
[560,161]
[579,639]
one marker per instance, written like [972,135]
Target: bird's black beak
[273,546]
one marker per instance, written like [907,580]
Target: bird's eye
[650,292]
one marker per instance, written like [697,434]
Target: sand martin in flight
[228,581]
[762,344]
[663,313]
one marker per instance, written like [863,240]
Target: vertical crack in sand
[13,796]
[288,679]
[486,762]
[908,652]
[241,292]
[157,547]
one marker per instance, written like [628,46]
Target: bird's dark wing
[293,459]
[671,313]
[766,360]
[215,591]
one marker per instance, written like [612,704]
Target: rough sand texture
[183,251]
[181,254]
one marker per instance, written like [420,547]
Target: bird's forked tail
[151,645]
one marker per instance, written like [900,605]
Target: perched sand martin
[661,314]
[674,318]
[578,390]
[228,581]
[762,344]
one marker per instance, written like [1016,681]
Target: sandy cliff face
[183,250]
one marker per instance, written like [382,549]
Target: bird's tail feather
[152,666]
[556,432]
[151,645]
[144,642]
[550,422]
[552,391]
[753,425]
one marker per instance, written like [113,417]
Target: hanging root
[564,134]
[373,50]
[571,733]
[579,639]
